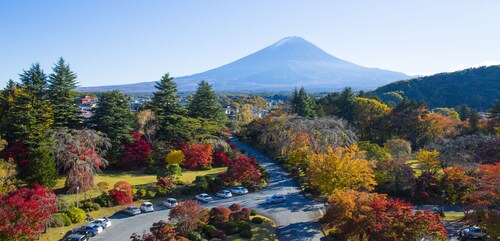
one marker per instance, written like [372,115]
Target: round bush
[253,212]
[104,200]
[150,194]
[96,206]
[217,234]
[76,214]
[230,228]
[63,205]
[59,220]
[257,220]
[242,225]
[247,233]
[235,207]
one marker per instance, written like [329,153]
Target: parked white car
[147,207]
[170,203]
[203,197]
[76,237]
[103,222]
[224,194]
[276,198]
[239,190]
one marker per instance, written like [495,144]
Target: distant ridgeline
[476,87]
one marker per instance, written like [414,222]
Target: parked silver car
[203,197]
[132,210]
[170,203]
[224,194]
[103,222]
[147,207]
[239,190]
[473,233]
[276,198]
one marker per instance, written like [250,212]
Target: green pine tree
[62,96]
[35,81]
[205,104]
[304,104]
[168,112]
[114,118]
[495,109]
[42,168]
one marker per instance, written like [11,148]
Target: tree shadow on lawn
[299,231]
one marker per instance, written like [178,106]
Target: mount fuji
[288,63]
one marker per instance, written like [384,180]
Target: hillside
[476,87]
[288,63]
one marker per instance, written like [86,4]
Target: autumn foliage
[370,216]
[221,159]
[244,169]
[342,168]
[219,215]
[136,153]
[197,156]
[121,193]
[160,231]
[24,213]
[188,216]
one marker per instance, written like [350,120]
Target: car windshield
[149,205]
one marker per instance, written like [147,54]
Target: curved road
[295,219]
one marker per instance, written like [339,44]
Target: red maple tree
[197,156]
[188,215]
[244,169]
[136,153]
[25,212]
[221,159]
[121,193]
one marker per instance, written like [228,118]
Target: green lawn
[454,216]
[265,231]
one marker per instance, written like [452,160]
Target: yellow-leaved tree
[429,161]
[341,169]
[175,157]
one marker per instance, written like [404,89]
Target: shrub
[217,234]
[63,205]
[95,206]
[247,233]
[257,220]
[104,200]
[230,228]
[235,207]
[253,212]
[241,215]
[179,182]
[194,236]
[76,214]
[242,225]
[141,193]
[121,193]
[150,194]
[59,220]
[219,215]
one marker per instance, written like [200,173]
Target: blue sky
[116,42]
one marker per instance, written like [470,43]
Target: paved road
[295,219]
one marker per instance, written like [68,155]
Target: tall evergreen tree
[304,104]
[205,104]
[495,109]
[165,106]
[35,81]
[114,118]
[41,168]
[62,96]
[346,105]
[24,117]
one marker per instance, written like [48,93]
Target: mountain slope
[286,64]
[476,87]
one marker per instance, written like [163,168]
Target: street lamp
[77,196]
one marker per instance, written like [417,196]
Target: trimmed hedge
[230,228]
[247,233]
[257,220]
